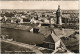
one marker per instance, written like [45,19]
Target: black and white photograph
[39,27]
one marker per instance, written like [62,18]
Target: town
[51,31]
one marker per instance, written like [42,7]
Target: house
[34,21]
[52,21]
[0,18]
[4,19]
[46,20]
[52,41]
[19,19]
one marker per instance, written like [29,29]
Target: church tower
[59,16]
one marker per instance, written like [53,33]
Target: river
[23,36]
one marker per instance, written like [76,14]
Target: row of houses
[58,17]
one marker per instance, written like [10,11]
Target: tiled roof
[64,32]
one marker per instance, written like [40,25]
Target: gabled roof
[55,38]
[52,38]
[49,39]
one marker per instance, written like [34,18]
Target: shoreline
[15,26]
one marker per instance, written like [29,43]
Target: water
[23,36]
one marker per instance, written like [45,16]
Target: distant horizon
[38,9]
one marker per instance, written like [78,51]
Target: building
[52,41]
[52,21]
[59,16]
[70,21]
[4,19]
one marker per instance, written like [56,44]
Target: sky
[38,4]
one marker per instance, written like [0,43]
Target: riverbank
[18,46]
[7,47]
[15,26]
